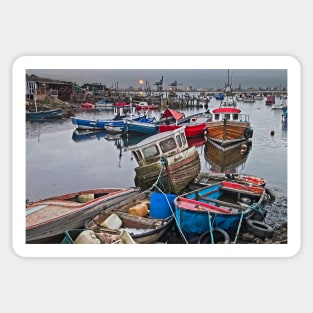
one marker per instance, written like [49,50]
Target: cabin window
[235,117]
[178,139]
[168,145]
[137,155]
[227,116]
[217,117]
[150,151]
[183,137]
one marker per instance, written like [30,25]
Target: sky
[185,77]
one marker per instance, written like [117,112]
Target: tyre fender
[260,229]
[248,133]
[220,236]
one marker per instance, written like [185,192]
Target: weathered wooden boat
[207,179]
[228,126]
[44,114]
[146,217]
[166,159]
[226,159]
[225,205]
[49,218]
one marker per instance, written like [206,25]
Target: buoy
[272,133]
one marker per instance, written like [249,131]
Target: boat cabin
[230,114]
[162,144]
[122,110]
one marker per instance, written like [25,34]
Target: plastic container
[140,209]
[112,222]
[87,237]
[85,198]
[160,204]
[80,236]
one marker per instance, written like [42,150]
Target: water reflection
[227,160]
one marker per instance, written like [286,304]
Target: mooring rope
[258,208]
[173,214]
[239,226]
[210,228]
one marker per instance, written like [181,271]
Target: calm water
[59,162]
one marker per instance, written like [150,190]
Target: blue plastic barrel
[160,204]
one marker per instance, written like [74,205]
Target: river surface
[58,161]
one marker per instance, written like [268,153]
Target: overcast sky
[196,78]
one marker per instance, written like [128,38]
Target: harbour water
[59,161]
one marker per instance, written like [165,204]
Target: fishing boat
[141,126]
[195,124]
[87,106]
[166,159]
[44,114]
[101,105]
[121,111]
[270,99]
[146,218]
[225,205]
[145,106]
[49,218]
[226,159]
[95,124]
[207,179]
[228,125]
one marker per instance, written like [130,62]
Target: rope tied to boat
[173,214]
[210,228]
[239,226]
[258,208]
[163,162]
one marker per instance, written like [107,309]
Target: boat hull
[226,159]
[226,132]
[140,127]
[50,218]
[143,229]
[179,171]
[81,123]
[48,114]
[194,210]
[192,130]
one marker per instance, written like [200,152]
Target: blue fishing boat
[83,123]
[44,114]
[223,205]
[143,126]
[121,111]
